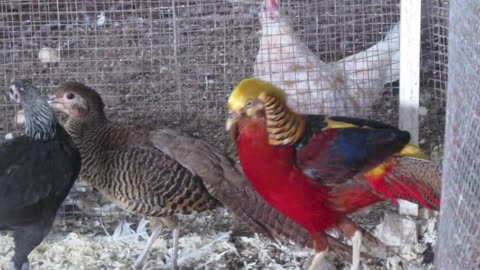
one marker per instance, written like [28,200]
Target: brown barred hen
[161,173]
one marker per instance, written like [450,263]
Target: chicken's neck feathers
[88,133]
[40,121]
[78,124]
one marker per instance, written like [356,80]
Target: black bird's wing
[32,171]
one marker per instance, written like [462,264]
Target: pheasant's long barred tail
[420,175]
[284,127]
[226,182]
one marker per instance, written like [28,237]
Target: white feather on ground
[347,87]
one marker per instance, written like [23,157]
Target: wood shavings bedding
[83,252]
[208,241]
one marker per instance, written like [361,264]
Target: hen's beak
[55,102]
[232,120]
[13,97]
[51,99]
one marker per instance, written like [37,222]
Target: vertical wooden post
[410,24]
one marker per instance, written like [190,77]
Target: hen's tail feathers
[383,56]
[416,180]
[227,184]
[390,46]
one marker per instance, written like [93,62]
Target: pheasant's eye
[11,91]
[249,103]
[70,96]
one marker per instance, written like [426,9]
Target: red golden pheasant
[317,169]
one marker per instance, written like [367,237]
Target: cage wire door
[459,244]
[174,62]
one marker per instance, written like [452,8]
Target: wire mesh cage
[166,59]
[174,62]
[458,247]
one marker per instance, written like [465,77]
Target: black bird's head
[40,121]
[23,92]
[77,100]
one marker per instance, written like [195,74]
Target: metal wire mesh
[339,85]
[163,59]
[459,244]
[175,61]
[434,60]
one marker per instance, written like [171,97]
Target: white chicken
[347,87]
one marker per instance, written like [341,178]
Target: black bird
[37,171]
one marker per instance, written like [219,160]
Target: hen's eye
[11,91]
[70,96]
[249,103]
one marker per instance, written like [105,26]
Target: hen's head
[77,100]
[249,97]
[40,121]
[269,11]
[23,92]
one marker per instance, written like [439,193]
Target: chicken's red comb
[271,4]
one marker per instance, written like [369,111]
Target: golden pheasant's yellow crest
[250,89]
[284,127]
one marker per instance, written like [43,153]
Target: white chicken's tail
[389,50]
[383,56]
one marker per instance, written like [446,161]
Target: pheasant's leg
[156,228]
[321,247]
[172,223]
[318,260]
[176,235]
[353,233]
[356,245]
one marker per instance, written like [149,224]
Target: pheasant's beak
[55,103]
[13,93]
[51,99]
[232,120]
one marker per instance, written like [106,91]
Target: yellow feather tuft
[377,171]
[251,89]
[411,150]
[338,124]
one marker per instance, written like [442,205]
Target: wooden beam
[410,26]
